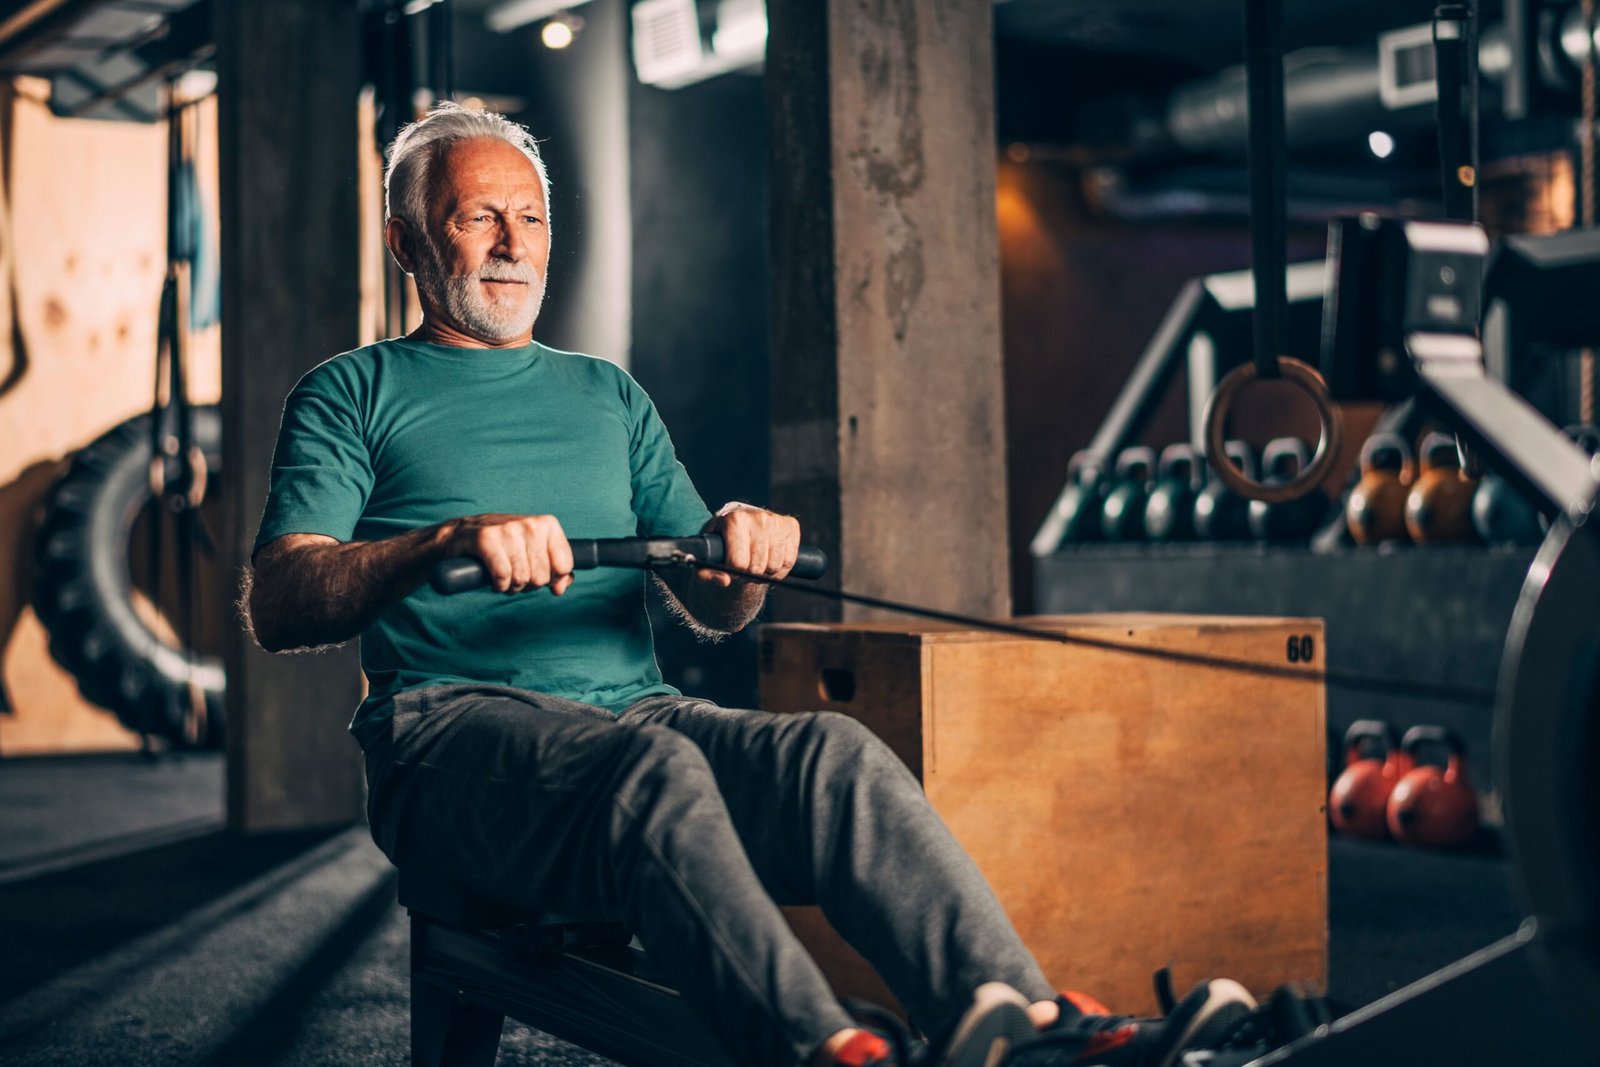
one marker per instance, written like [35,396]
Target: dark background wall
[700,315]
[1080,298]
[575,101]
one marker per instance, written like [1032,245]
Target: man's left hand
[759,542]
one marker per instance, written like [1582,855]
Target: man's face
[487,246]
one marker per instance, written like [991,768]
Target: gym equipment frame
[1401,323]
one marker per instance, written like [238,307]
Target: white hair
[420,145]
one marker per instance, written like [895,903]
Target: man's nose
[512,244]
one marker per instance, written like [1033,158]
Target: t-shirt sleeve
[665,501]
[321,469]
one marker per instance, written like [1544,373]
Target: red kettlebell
[1358,803]
[1434,806]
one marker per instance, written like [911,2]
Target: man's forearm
[325,593]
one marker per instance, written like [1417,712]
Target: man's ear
[401,242]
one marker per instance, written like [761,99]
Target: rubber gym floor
[137,931]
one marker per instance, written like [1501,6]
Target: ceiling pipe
[1334,94]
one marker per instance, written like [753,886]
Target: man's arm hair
[711,611]
[310,591]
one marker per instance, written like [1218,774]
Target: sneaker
[1087,1034]
[866,1049]
[996,1022]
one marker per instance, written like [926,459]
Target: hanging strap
[441,51]
[1457,174]
[1263,32]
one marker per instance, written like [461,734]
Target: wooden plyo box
[1129,811]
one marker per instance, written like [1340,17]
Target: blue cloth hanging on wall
[195,242]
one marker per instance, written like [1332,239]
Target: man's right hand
[519,551]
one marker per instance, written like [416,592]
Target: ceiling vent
[675,46]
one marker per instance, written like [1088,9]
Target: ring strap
[1263,34]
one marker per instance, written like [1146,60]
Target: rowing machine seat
[475,960]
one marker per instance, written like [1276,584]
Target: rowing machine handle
[465,573]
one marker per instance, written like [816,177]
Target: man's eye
[534,220]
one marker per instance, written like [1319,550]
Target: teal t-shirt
[402,434]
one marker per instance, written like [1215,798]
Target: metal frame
[463,981]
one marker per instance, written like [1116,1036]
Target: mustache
[509,272]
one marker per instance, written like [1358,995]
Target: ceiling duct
[1334,94]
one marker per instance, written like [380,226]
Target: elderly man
[528,744]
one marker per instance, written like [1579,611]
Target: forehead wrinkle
[497,203]
[494,179]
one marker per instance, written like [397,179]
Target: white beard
[496,320]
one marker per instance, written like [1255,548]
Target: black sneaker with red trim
[866,1049]
[1087,1033]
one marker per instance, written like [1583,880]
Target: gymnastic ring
[1220,404]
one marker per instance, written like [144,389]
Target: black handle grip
[466,573]
[1418,736]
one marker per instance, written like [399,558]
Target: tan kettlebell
[1376,509]
[1439,506]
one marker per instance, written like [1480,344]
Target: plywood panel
[84,237]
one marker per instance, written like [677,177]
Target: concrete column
[291,298]
[888,423]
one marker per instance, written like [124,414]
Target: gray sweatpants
[692,823]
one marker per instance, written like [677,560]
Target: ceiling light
[1382,144]
[557,33]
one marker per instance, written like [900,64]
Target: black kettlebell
[1502,516]
[1081,502]
[1587,437]
[1169,513]
[1293,520]
[1220,514]
[1122,515]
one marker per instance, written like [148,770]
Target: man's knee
[847,744]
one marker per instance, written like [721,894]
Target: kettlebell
[1586,437]
[1083,498]
[1122,514]
[1358,803]
[1430,805]
[1502,516]
[1293,520]
[1439,506]
[1376,508]
[1220,514]
[1169,513]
